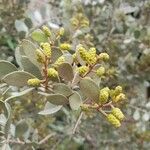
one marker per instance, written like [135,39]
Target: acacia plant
[58,74]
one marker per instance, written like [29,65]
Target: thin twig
[46,138]
[77,123]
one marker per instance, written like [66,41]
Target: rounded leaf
[30,51]
[56,53]
[57,99]
[62,88]
[28,66]
[39,36]
[75,101]
[65,71]
[6,68]
[50,109]
[89,88]
[17,78]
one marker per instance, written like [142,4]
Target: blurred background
[119,27]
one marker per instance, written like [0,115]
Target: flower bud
[61,31]
[59,61]
[103,96]
[82,70]
[65,47]
[74,56]
[46,49]
[113,120]
[120,97]
[46,30]
[91,59]
[40,56]
[103,57]
[52,73]
[74,22]
[100,71]
[34,82]
[118,113]
[85,23]
[92,51]
[118,90]
[85,107]
[82,51]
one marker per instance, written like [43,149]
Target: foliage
[119,32]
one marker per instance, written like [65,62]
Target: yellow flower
[74,22]
[106,89]
[46,30]
[118,90]
[74,56]
[103,57]
[85,107]
[118,113]
[91,59]
[91,56]
[61,31]
[120,97]
[85,23]
[46,49]
[59,61]
[82,51]
[103,95]
[100,71]
[65,46]
[113,120]
[52,72]
[82,70]
[40,56]
[34,82]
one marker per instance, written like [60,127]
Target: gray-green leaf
[17,78]
[62,88]
[75,101]
[57,99]
[50,109]
[39,36]
[65,71]
[28,66]
[30,51]
[89,88]
[6,68]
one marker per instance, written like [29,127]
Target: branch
[77,123]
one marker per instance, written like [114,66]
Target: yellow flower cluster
[118,113]
[88,56]
[46,49]
[117,94]
[104,95]
[34,82]
[120,97]
[103,57]
[79,20]
[113,120]
[85,107]
[46,31]
[52,73]
[65,46]
[61,31]
[100,71]
[91,56]
[82,51]
[115,117]
[40,56]
[82,70]
[59,61]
